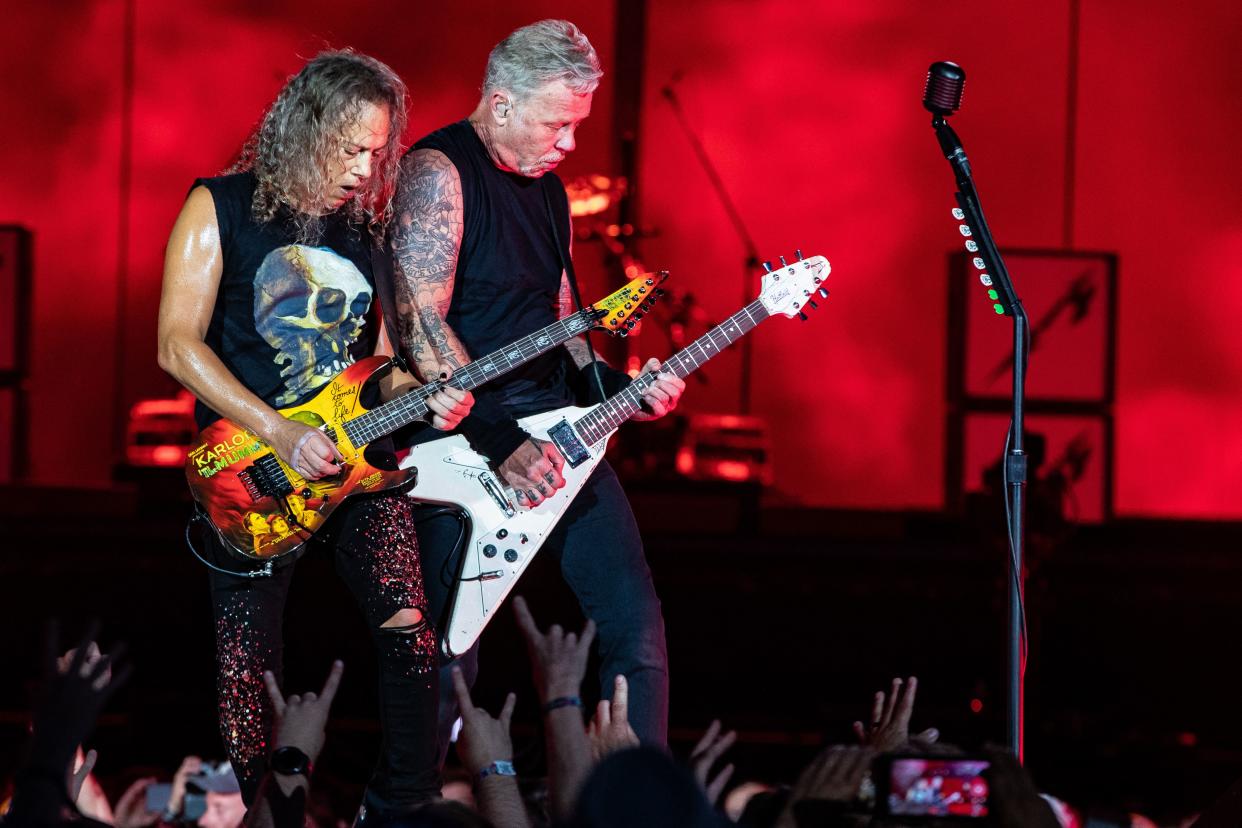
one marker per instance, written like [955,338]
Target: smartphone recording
[932,786]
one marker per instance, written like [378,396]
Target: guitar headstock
[790,289]
[619,312]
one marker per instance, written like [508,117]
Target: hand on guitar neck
[310,453]
[662,395]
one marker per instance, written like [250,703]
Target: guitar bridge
[566,440]
[265,478]
[497,494]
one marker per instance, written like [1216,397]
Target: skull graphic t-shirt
[288,316]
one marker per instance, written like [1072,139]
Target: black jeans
[600,553]
[376,553]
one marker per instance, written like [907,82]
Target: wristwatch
[498,768]
[290,761]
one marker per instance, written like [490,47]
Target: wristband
[297,448]
[491,429]
[561,701]
[500,767]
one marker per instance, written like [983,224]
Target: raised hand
[301,719]
[483,739]
[661,396]
[75,689]
[558,659]
[190,766]
[890,719]
[709,749]
[131,809]
[533,471]
[609,730]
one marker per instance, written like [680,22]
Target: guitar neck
[412,407]
[609,415]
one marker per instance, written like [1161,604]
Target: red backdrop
[811,112]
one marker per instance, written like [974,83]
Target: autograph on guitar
[262,509]
[503,537]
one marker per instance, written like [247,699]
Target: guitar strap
[385,289]
[567,264]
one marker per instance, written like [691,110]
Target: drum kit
[590,199]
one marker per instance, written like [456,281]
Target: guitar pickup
[497,494]
[567,442]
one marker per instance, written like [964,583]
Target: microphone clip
[951,146]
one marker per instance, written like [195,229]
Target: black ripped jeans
[376,554]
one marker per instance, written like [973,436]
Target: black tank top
[508,277]
[288,316]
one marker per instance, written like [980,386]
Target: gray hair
[550,50]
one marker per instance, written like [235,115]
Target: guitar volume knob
[489,551]
[511,555]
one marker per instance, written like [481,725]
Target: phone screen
[941,787]
[158,795]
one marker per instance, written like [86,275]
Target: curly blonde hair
[298,142]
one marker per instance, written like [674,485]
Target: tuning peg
[958,214]
[823,293]
[811,302]
[631,324]
[623,333]
[798,253]
[659,292]
[783,262]
[767,267]
[802,316]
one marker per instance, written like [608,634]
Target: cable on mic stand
[942,97]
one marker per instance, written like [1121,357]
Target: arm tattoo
[577,346]
[566,297]
[426,242]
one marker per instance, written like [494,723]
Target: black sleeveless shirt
[288,317]
[508,277]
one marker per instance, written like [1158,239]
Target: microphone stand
[739,227]
[1014,464]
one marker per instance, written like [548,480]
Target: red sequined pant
[376,554]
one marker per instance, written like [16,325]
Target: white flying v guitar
[503,537]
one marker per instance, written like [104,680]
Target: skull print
[310,304]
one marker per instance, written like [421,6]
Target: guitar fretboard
[411,407]
[606,417]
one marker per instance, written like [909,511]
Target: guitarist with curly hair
[269,292]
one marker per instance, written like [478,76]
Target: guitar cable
[458,546]
[199,516]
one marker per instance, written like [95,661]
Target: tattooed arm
[427,240]
[577,346]
[430,220]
